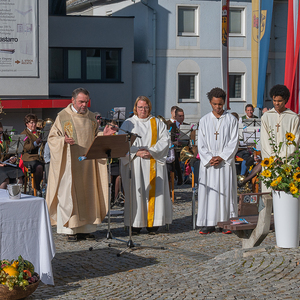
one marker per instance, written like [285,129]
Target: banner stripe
[254,49]
[265,22]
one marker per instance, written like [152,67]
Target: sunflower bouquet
[282,173]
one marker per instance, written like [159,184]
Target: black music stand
[108,146]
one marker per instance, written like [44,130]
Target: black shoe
[90,237]
[136,230]
[207,229]
[226,231]
[72,238]
[85,236]
[152,230]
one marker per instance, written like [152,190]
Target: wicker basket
[18,292]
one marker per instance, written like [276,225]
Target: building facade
[65,52]
[177,57]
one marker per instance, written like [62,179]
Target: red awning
[34,103]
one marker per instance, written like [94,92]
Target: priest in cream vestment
[77,193]
[150,201]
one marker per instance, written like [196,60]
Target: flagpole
[224,48]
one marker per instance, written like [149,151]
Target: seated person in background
[8,173]
[254,165]
[172,119]
[249,110]
[31,158]
[179,116]
[172,128]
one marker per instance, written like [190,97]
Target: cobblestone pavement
[190,267]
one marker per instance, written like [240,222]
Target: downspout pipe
[154,57]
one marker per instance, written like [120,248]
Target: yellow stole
[151,203]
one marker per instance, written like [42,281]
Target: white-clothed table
[25,230]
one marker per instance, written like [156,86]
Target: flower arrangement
[282,173]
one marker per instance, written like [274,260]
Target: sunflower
[276,181]
[288,169]
[266,173]
[298,169]
[267,162]
[296,176]
[289,136]
[250,168]
[293,190]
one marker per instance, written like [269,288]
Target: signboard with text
[18,38]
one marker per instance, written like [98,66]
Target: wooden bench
[253,233]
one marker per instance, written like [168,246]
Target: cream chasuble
[217,192]
[151,203]
[78,189]
[279,124]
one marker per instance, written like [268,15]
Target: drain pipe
[154,57]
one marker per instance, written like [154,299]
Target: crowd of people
[77,190]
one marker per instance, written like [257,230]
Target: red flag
[289,56]
[295,79]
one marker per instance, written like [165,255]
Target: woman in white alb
[150,201]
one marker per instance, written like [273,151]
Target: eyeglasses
[32,122]
[143,107]
[1,132]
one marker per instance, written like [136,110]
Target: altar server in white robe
[151,204]
[217,146]
[277,122]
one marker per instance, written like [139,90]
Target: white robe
[141,174]
[217,194]
[288,121]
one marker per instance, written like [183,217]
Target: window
[93,64]
[236,21]
[74,64]
[236,86]
[187,87]
[187,20]
[85,65]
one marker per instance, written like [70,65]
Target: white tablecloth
[25,230]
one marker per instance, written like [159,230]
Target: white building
[62,53]
[181,63]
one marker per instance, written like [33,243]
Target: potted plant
[282,175]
